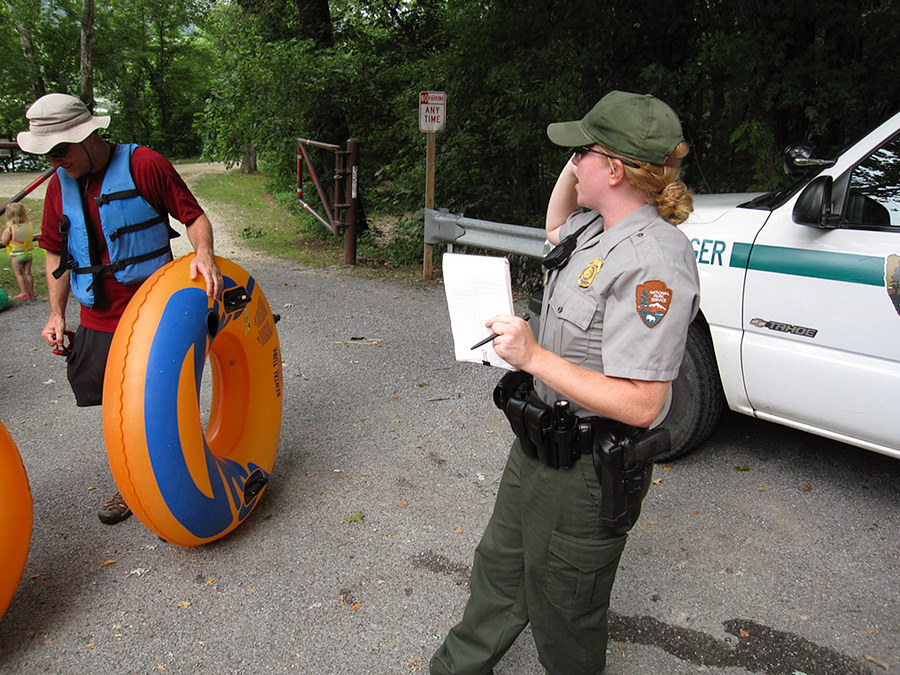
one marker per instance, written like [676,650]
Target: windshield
[772,200]
[775,198]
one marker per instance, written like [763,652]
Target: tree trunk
[248,163]
[86,85]
[31,62]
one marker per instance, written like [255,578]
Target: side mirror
[813,206]
[800,157]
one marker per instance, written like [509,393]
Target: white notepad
[477,287]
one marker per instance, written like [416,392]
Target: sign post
[432,117]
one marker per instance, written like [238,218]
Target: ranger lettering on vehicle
[708,251]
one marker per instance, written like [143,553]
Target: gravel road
[357,558]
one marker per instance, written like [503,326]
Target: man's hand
[204,264]
[54,331]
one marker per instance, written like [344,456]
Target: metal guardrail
[442,226]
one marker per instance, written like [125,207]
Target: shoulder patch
[652,299]
[589,272]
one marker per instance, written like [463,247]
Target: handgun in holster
[623,462]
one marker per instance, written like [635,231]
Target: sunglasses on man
[59,151]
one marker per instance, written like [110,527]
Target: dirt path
[226,241]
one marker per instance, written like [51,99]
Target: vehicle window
[873,195]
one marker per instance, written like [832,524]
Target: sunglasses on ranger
[580,151]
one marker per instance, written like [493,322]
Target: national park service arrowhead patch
[892,279]
[653,299]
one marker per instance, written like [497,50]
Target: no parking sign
[432,110]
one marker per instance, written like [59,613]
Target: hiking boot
[114,511]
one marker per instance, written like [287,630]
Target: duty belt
[554,435]
[557,437]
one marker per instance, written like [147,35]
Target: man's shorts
[86,365]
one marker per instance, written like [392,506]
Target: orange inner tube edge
[190,485]
[16,518]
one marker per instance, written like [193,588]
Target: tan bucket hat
[55,119]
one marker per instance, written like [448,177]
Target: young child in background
[17,237]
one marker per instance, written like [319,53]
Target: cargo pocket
[580,572]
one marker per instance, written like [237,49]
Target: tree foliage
[246,78]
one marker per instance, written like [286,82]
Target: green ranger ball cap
[637,126]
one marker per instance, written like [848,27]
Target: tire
[697,397]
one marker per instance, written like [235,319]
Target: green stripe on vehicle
[846,267]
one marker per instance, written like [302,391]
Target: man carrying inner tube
[105,229]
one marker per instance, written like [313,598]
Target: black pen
[492,336]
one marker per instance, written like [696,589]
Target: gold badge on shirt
[587,276]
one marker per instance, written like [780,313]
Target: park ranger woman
[621,289]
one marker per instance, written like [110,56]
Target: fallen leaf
[107,562]
[459,530]
[762,489]
[401,505]
[744,633]
[742,468]
[668,468]
[658,481]
[872,659]
[806,488]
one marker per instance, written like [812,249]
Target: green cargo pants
[544,559]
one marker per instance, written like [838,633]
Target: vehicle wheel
[697,397]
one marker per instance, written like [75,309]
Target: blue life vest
[137,237]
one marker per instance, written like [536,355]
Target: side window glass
[873,197]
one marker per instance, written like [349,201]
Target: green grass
[265,224]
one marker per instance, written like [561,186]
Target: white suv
[800,302]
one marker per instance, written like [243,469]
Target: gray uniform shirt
[622,304]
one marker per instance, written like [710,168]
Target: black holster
[623,462]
